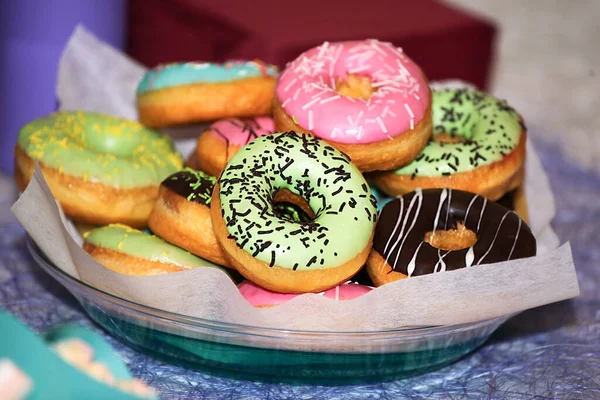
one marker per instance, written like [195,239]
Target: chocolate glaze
[403,222]
[195,186]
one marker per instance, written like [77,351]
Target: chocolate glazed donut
[400,249]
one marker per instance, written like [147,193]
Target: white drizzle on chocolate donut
[403,223]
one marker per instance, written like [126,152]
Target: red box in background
[446,42]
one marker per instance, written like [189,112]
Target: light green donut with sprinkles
[337,193]
[491,129]
[123,239]
[100,148]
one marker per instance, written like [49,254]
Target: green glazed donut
[490,127]
[483,150]
[130,251]
[100,148]
[279,253]
[101,169]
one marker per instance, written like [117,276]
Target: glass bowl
[275,355]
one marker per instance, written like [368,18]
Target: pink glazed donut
[367,98]
[260,297]
[223,139]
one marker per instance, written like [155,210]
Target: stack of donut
[346,165]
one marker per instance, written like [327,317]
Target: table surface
[549,352]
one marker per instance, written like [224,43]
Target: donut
[133,252]
[181,215]
[366,98]
[262,298]
[224,138]
[436,230]
[181,93]
[101,169]
[478,146]
[287,256]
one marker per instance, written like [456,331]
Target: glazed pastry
[437,230]
[367,98]
[478,146]
[262,298]
[101,169]
[182,93]
[181,215]
[132,252]
[224,138]
[279,254]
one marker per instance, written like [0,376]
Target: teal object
[178,74]
[274,355]
[381,198]
[52,377]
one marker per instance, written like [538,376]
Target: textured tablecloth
[549,352]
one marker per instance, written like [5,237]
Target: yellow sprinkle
[60,169]
[86,234]
[119,245]
[85,176]
[164,253]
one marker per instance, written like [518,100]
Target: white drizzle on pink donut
[307,91]
[260,297]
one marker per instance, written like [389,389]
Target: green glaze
[100,148]
[323,176]
[139,244]
[490,127]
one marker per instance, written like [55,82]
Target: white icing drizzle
[443,195]
[482,210]
[448,208]
[469,257]
[418,197]
[410,268]
[440,262]
[516,238]
[495,236]
[395,226]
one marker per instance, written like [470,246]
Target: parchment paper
[466,295]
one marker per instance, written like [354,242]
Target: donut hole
[290,206]
[355,86]
[452,239]
[445,137]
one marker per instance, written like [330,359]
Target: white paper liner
[453,297]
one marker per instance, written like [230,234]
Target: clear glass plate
[255,353]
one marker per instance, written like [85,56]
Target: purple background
[33,34]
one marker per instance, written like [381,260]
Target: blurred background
[540,55]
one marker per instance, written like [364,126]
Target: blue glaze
[382,198]
[177,74]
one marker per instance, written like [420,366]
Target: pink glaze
[239,132]
[307,92]
[259,297]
